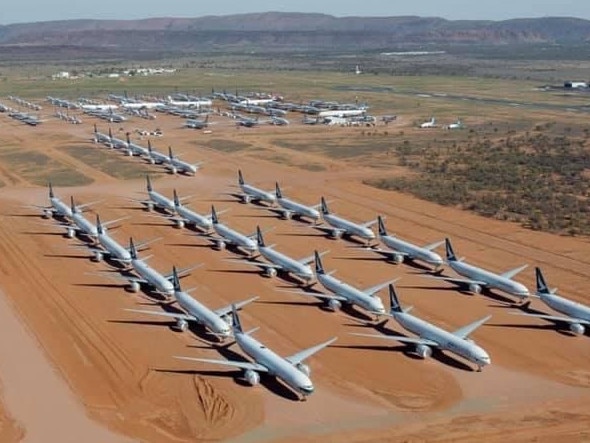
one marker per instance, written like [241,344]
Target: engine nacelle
[149,207]
[398,258]
[47,214]
[71,233]
[251,377]
[246,198]
[134,286]
[174,170]
[270,272]
[334,305]
[423,351]
[180,224]
[181,325]
[304,368]
[475,288]
[220,245]
[287,215]
[577,328]
[152,161]
[228,319]
[97,256]
[336,234]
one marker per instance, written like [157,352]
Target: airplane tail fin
[259,238]
[176,199]
[237,325]
[319,267]
[170,152]
[95,128]
[51,194]
[240,177]
[324,206]
[149,146]
[72,204]
[278,192]
[149,183]
[381,224]
[175,280]
[99,228]
[214,218]
[132,249]
[542,287]
[110,133]
[450,253]
[393,300]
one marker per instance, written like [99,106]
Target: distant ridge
[289,31]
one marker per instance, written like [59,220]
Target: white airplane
[176,165]
[577,315]
[345,293]
[57,207]
[478,278]
[115,142]
[229,236]
[401,249]
[251,193]
[281,262]
[197,124]
[82,225]
[430,336]
[288,208]
[278,121]
[156,157]
[140,105]
[341,226]
[457,125]
[156,199]
[110,246]
[291,370]
[218,322]
[98,107]
[429,124]
[186,216]
[99,137]
[135,149]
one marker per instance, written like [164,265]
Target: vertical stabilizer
[170,155]
[214,218]
[319,267]
[132,250]
[177,203]
[450,253]
[237,325]
[175,280]
[149,183]
[51,194]
[381,224]
[240,177]
[99,228]
[278,192]
[394,305]
[542,287]
[259,238]
[324,206]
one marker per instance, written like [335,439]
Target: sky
[44,10]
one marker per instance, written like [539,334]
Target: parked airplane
[457,125]
[57,207]
[291,370]
[401,249]
[110,246]
[478,278]
[135,149]
[430,336]
[345,293]
[577,315]
[156,157]
[197,124]
[99,137]
[341,226]
[228,236]
[218,321]
[288,208]
[82,225]
[281,262]
[247,122]
[278,121]
[429,124]
[115,142]
[251,193]
[187,216]
[176,165]
[156,199]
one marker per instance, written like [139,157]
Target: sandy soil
[120,366]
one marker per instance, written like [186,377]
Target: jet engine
[251,377]
[181,325]
[304,368]
[287,215]
[71,233]
[180,224]
[134,286]
[149,207]
[220,245]
[475,288]
[336,234]
[577,328]
[47,214]
[334,304]
[423,351]
[129,152]
[152,161]
[97,256]
[398,258]
[174,170]
[246,198]
[270,272]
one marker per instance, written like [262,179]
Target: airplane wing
[384,251]
[228,309]
[164,314]
[255,263]
[458,280]
[400,338]
[370,223]
[306,353]
[554,318]
[311,258]
[237,364]
[372,290]
[466,330]
[183,272]
[142,245]
[513,272]
[120,278]
[319,295]
[434,245]
[112,222]
[86,205]
[330,230]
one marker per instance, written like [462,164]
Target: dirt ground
[119,364]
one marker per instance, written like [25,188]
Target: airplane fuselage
[258,194]
[235,238]
[162,202]
[85,226]
[349,227]
[203,222]
[203,314]
[60,208]
[183,166]
[412,251]
[492,280]
[369,302]
[114,248]
[276,365]
[298,208]
[153,277]
[446,340]
[568,307]
[287,263]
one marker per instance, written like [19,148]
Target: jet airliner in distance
[340,226]
[430,336]
[252,193]
[401,249]
[477,278]
[292,370]
[228,236]
[289,208]
[157,200]
[576,315]
[218,322]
